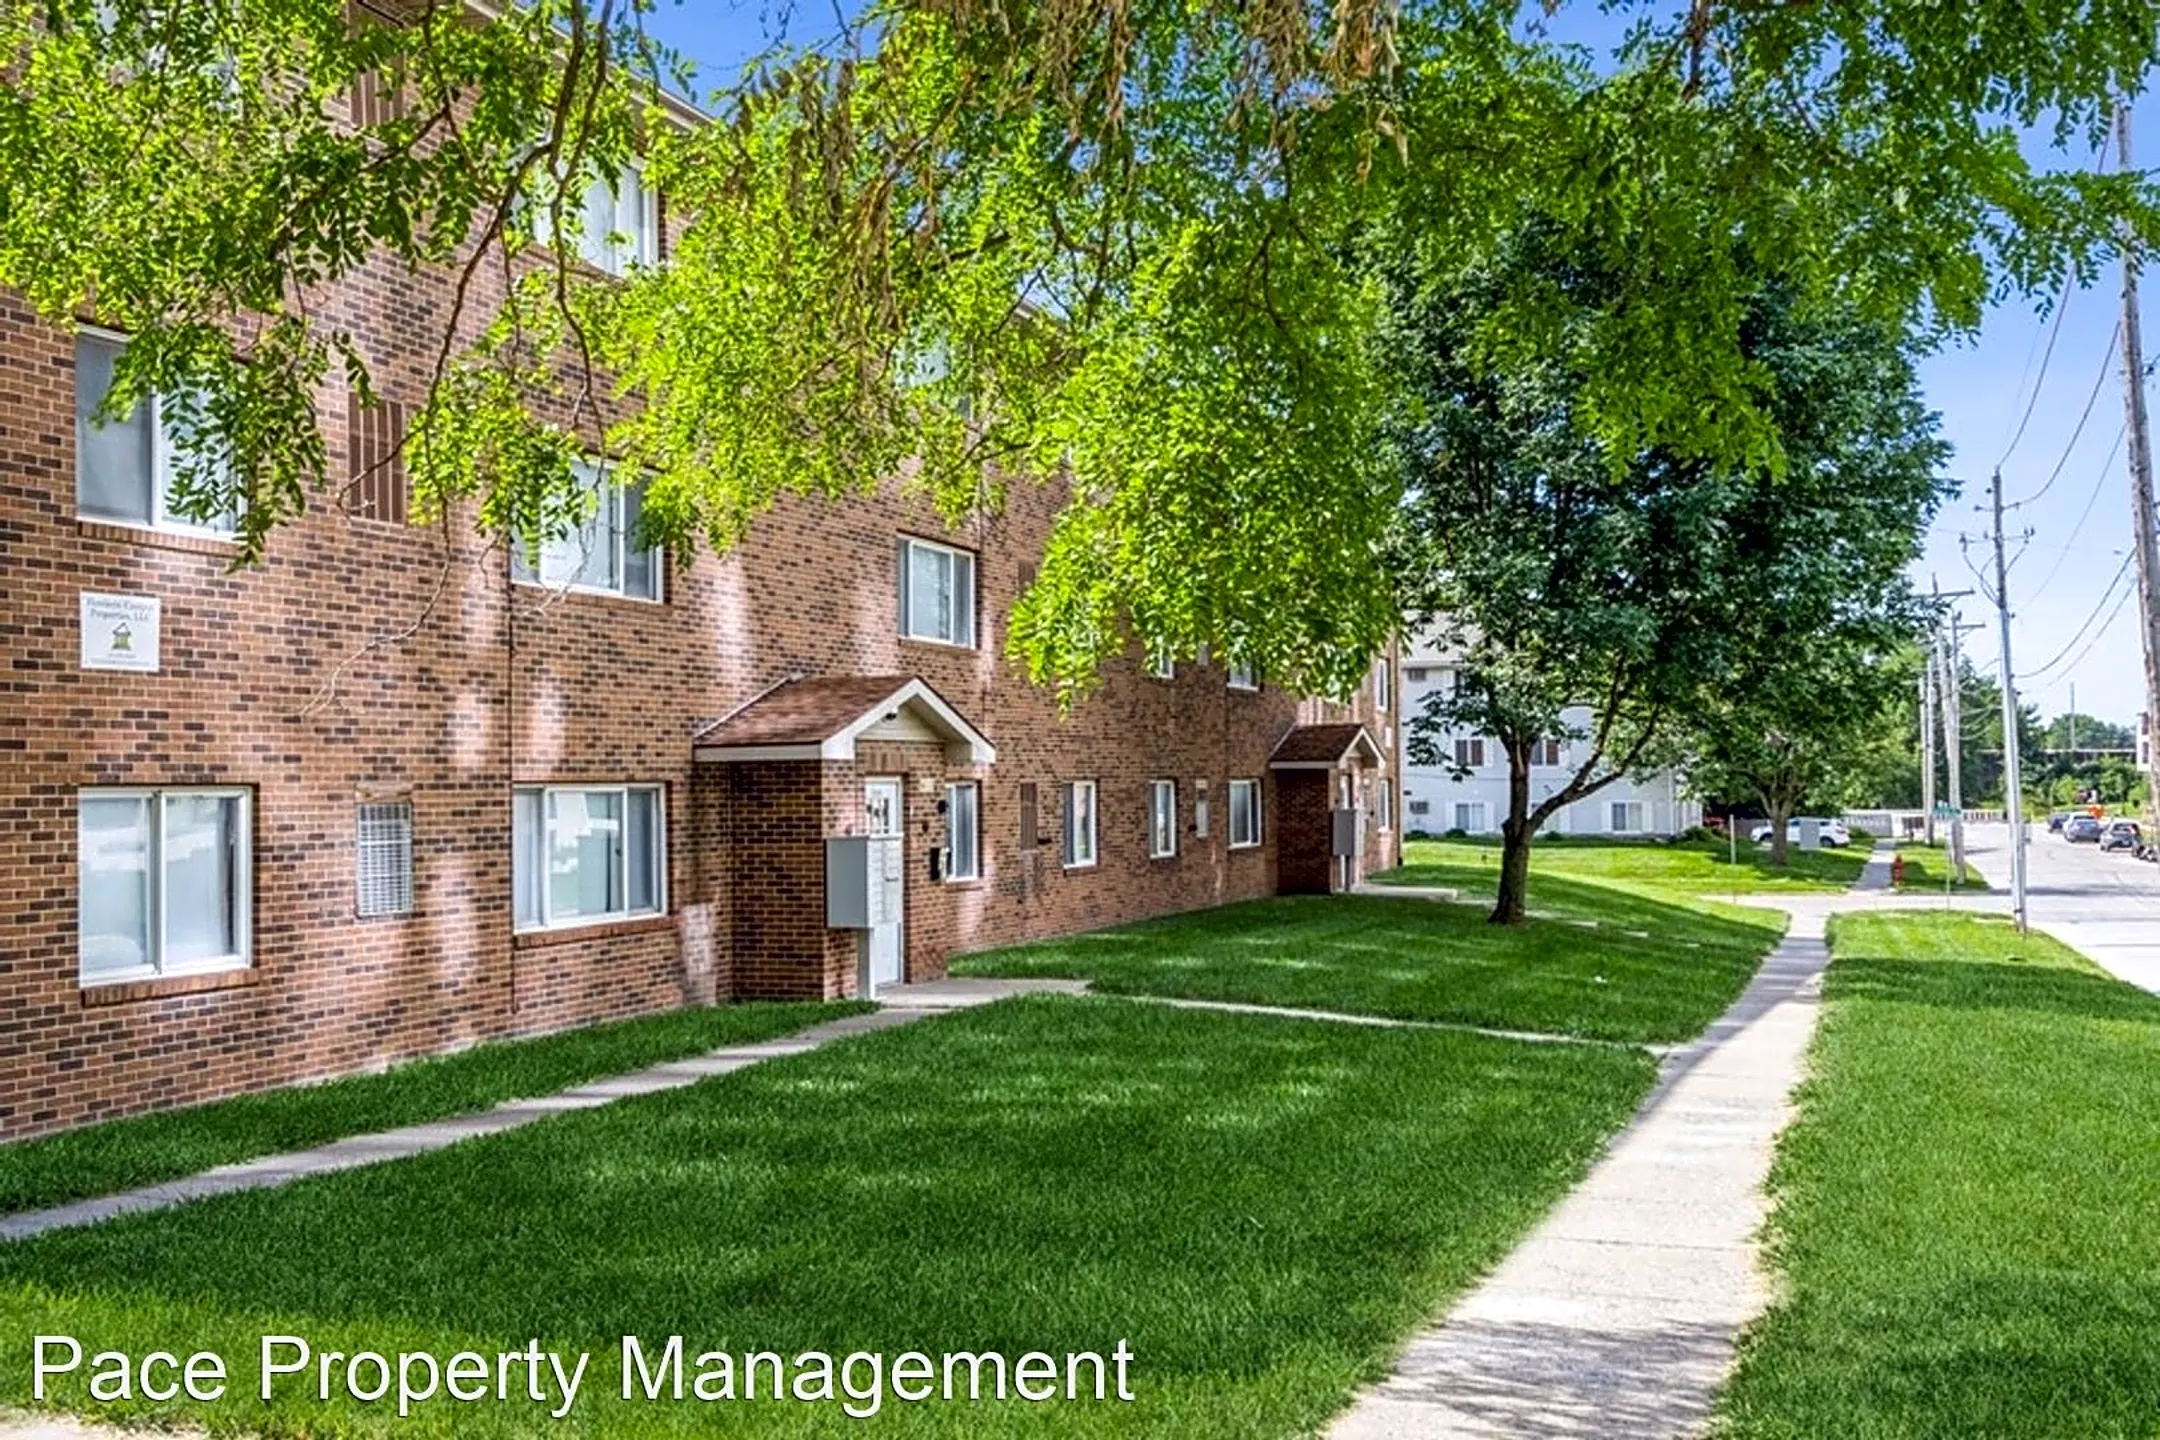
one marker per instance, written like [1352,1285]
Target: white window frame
[1161,664]
[243,898]
[1251,791]
[1069,848]
[974,831]
[1384,803]
[1629,817]
[1548,752]
[910,546]
[611,518]
[163,450]
[637,219]
[1162,835]
[1414,674]
[546,922]
[1470,752]
[1383,687]
[1241,676]
[1472,810]
[1200,809]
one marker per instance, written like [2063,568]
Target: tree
[970,240]
[1650,585]
[2073,731]
[1797,736]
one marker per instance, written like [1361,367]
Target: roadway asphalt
[2107,906]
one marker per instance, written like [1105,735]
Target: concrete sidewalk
[903,1005]
[1619,1314]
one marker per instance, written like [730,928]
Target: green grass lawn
[123,1154]
[1652,969]
[1682,867]
[1968,1207]
[1926,866]
[1260,1207]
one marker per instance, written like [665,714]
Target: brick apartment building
[383,796]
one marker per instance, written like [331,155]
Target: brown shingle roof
[1319,744]
[804,712]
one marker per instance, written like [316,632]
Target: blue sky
[2072,624]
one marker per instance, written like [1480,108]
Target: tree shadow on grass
[1604,963]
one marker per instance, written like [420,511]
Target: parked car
[1829,832]
[2055,821]
[2081,830]
[2121,835]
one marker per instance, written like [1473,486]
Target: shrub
[1457,833]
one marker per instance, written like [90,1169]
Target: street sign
[1945,811]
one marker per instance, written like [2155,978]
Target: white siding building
[1435,802]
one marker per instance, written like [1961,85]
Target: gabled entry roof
[1322,747]
[822,720]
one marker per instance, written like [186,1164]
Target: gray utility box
[1810,834]
[862,881]
[1343,834]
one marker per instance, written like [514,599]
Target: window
[937,593]
[1470,752]
[1243,677]
[164,882]
[584,855]
[1200,809]
[1161,665]
[1384,804]
[1415,675]
[1470,817]
[1030,835]
[962,827]
[1162,819]
[600,556]
[1420,807]
[128,469]
[1627,815]
[1079,823]
[1244,814]
[619,222]
[1383,693]
[382,860]
[1547,752]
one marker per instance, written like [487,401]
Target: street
[2106,906]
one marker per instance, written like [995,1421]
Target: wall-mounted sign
[120,632]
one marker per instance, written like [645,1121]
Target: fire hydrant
[1897,869]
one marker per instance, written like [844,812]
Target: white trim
[659,856]
[1259,827]
[1155,789]
[243,896]
[975,871]
[1094,825]
[908,545]
[614,495]
[964,744]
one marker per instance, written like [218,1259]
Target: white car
[1830,832]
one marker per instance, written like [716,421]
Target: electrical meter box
[862,881]
[1344,828]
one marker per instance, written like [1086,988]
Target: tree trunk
[1515,833]
[1780,847]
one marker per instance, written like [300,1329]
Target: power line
[2121,606]
[2099,484]
[2099,381]
[2033,399]
[2105,596]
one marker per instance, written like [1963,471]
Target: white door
[881,815]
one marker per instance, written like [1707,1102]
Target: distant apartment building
[372,801]
[1437,799]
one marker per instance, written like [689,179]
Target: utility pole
[2141,477]
[1954,738]
[2013,783]
[1927,746]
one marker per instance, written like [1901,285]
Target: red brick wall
[300,681]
